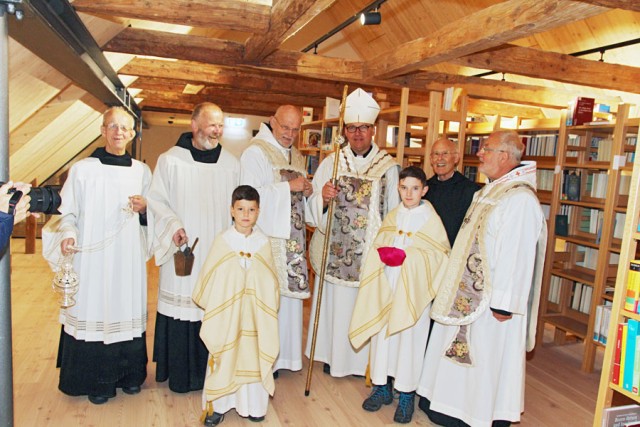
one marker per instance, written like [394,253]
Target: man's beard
[206,143]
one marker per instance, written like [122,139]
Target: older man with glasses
[274,166]
[365,191]
[449,192]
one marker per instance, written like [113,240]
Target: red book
[615,378]
[582,110]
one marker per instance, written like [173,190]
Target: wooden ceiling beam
[223,52]
[231,105]
[616,4]
[495,90]
[176,46]
[489,27]
[249,79]
[221,14]
[287,17]
[214,93]
[555,66]
[481,106]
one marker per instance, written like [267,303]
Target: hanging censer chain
[65,280]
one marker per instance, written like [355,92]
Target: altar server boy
[238,289]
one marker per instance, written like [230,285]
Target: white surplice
[195,196]
[111,303]
[336,308]
[492,388]
[275,221]
[401,355]
[250,399]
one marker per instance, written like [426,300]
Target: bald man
[190,196]
[274,166]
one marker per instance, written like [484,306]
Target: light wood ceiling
[248,57]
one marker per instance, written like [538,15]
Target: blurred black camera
[45,199]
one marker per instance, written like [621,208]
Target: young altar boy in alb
[397,284]
[238,290]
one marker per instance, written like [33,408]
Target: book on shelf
[572,186]
[620,416]
[632,295]
[580,111]
[617,355]
[312,137]
[307,114]
[394,139]
[312,164]
[629,356]
[604,324]
[331,108]
[562,225]
[623,352]
[635,384]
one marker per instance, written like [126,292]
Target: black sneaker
[326,368]
[256,419]
[404,411]
[213,420]
[380,395]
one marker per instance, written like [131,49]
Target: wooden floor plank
[557,392]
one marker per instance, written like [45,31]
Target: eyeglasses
[437,154]
[114,127]
[490,150]
[361,128]
[286,128]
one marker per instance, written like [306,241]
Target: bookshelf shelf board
[314,123]
[309,149]
[567,324]
[604,126]
[629,314]
[599,344]
[592,205]
[627,393]
[544,196]
[600,166]
[636,235]
[575,275]
[474,161]
[607,297]
[580,240]
[408,151]
[542,162]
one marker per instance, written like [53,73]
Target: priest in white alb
[365,191]
[189,197]
[486,309]
[103,226]
[274,166]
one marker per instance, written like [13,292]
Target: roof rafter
[287,17]
[555,66]
[222,14]
[489,27]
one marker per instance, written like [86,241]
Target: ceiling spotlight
[370,18]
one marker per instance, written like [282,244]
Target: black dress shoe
[213,419]
[275,375]
[256,419]
[326,369]
[131,390]
[98,400]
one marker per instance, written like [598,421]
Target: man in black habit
[189,197]
[449,192]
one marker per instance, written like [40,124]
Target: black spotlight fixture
[370,18]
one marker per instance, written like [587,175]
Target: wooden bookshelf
[628,252]
[590,254]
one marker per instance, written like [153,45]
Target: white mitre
[360,108]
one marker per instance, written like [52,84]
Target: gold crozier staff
[339,140]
